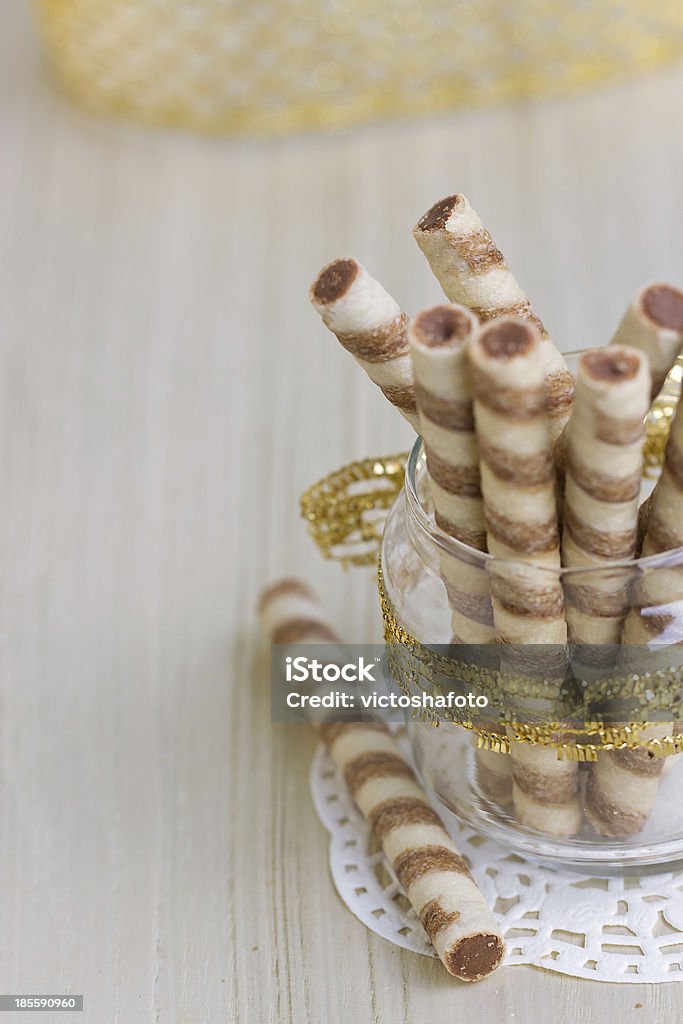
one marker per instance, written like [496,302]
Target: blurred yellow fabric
[276,66]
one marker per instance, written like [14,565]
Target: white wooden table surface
[166,393]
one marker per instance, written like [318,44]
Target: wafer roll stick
[370,325]
[656,615]
[291,614]
[494,774]
[438,339]
[517,482]
[653,323]
[602,485]
[664,530]
[426,861]
[545,789]
[471,270]
[518,488]
[643,516]
[438,342]
[622,787]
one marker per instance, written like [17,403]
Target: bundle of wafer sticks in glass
[541,471]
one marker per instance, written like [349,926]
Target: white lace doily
[609,929]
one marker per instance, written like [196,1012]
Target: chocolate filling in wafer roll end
[443,326]
[508,338]
[334,280]
[612,365]
[475,957]
[663,304]
[438,215]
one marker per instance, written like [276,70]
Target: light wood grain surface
[166,393]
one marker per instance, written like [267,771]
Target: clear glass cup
[574,760]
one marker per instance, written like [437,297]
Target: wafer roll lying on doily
[370,325]
[471,270]
[426,861]
[438,342]
[653,323]
[518,487]
[291,614]
[602,486]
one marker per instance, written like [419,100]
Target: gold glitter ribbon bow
[346,510]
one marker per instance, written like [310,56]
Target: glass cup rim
[434,535]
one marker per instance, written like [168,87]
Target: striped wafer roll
[622,787]
[471,270]
[518,487]
[643,516]
[425,859]
[517,482]
[370,325]
[653,323]
[623,784]
[438,342]
[602,485]
[545,789]
[656,616]
[664,530]
[291,614]
[494,775]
